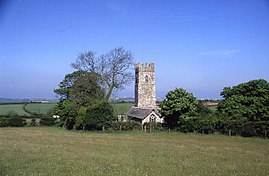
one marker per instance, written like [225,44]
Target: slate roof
[141,113]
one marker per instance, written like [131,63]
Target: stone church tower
[145,109]
[145,91]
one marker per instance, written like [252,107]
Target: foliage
[113,67]
[95,116]
[85,90]
[47,121]
[67,112]
[4,122]
[177,105]
[247,100]
[64,87]
[244,110]
[152,126]
[12,122]
[82,90]
[125,126]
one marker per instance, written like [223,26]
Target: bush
[4,122]
[125,126]
[96,116]
[12,122]
[150,127]
[47,121]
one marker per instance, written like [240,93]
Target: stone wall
[145,91]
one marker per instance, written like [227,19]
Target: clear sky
[199,45]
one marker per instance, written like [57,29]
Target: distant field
[213,108]
[121,108]
[5,108]
[40,108]
[43,108]
[54,151]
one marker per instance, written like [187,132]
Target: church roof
[141,113]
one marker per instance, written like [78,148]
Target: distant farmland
[44,108]
[17,108]
[39,108]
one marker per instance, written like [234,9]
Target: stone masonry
[145,91]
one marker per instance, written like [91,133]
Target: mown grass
[53,151]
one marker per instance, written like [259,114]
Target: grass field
[121,108]
[43,108]
[5,108]
[40,108]
[54,151]
[212,108]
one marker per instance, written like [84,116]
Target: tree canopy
[113,67]
[247,100]
[178,104]
[86,89]
[66,84]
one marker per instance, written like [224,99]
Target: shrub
[150,127]
[17,122]
[125,126]
[12,122]
[4,122]
[47,121]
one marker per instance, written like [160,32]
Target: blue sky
[200,45]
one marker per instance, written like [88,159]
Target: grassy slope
[121,108]
[43,108]
[40,108]
[52,151]
[4,109]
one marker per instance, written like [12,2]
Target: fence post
[230,132]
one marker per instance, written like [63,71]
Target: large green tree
[77,91]
[86,89]
[248,101]
[66,84]
[113,67]
[178,104]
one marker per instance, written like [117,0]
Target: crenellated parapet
[148,66]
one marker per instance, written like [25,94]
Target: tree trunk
[109,92]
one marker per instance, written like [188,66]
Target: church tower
[145,91]
[145,109]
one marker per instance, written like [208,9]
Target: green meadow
[40,108]
[44,108]
[17,108]
[121,108]
[54,151]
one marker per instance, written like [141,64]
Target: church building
[145,108]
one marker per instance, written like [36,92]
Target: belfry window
[146,79]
